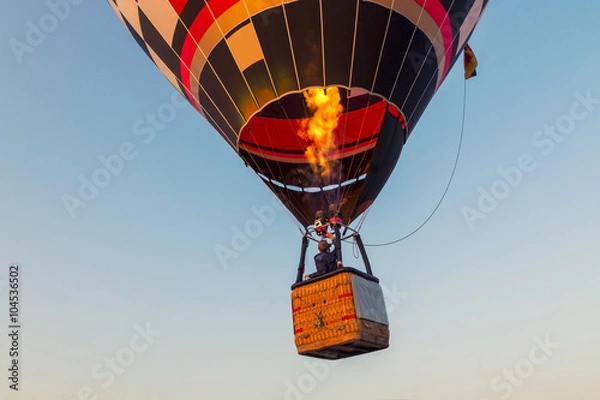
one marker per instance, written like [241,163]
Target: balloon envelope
[246,66]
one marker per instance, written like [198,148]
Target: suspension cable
[460,142]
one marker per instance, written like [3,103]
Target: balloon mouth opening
[315,139]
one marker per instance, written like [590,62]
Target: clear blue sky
[469,300]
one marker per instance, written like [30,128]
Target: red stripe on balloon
[178,5]
[440,16]
[354,126]
[201,24]
[335,154]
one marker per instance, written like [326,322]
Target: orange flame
[318,129]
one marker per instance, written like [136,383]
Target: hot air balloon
[318,97]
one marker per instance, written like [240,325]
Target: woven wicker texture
[324,313]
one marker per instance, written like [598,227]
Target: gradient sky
[465,306]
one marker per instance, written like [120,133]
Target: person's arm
[331,261]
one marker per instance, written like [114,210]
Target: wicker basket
[339,314]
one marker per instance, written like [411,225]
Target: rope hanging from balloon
[433,212]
